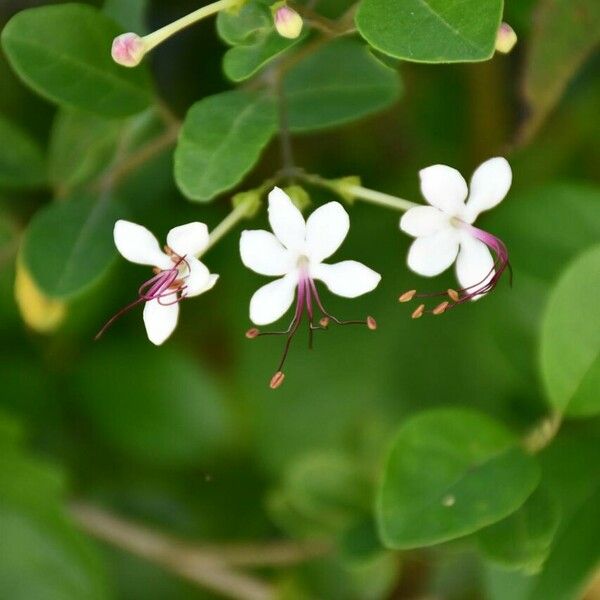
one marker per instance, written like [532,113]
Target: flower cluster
[296,250]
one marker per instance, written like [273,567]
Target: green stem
[379,198]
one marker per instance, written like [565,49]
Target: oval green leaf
[339,83]
[570,340]
[221,140]
[432,31]
[22,163]
[69,245]
[450,473]
[63,53]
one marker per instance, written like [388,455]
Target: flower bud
[288,22]
[506,39]
[128,50]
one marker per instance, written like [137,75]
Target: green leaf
[523,539]
[254,38]
[80,147]
[69,245]
[220,141]
[339,83]
[160,407]
[131,15]
[431,31]
[63,53]
[565,33]
[22,163]
[575,555]
[451,472]
[570,340]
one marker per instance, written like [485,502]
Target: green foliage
[69,244]
[450,472]
[570,342]
[22,163]
[431,31]
[62,53]
[43,557]
[131,15]
[337,84]
[221,140]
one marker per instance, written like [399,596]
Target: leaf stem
[543,433]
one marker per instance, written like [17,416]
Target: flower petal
[272,301]
[138,245]
[326,229]
[444,188]
[262,252]
[432,254]
[348,278]
[474,263]
[423,220]
[489,185]
[286,220]
[197,278]
[189,239]
[160,319]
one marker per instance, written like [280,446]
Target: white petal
[489,185]
[423,220]
[286,220]
[262,252]
[347,278]
[189,239]
[272,301]
[326,229]
[160,319]
[432,254]
[138,245]
[197,278]
[444,188]
[474,263]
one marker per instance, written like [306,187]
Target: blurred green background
[189,441]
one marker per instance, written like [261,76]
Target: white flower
[295,252]
[178,273]
[445,233]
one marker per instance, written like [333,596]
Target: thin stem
[157,37]
[543,433]
[379,198]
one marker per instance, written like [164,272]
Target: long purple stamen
[486,285]
[164,284]
[306,294]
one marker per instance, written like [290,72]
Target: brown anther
[371,323]
[418,312]
[453,295]
[441,308]
[277,380]
[324,322]
[168,251]
[252,333]
[407,296]
[156,270]
[177,284]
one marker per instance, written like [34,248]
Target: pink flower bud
[505,39]
[128,50]
[287,22]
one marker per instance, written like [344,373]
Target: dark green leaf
[431,30]
[131,15]
[451,472]
[339,83]
[221,140]
[63,53]
[570,342]
[69,245]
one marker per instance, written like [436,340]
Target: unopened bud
[440,308]
[277,380]
[453,295]
[324,322]
[407,296]
[418,312]
[252,333]
[506,39]
[371,323]
[288,22]
[128,50]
